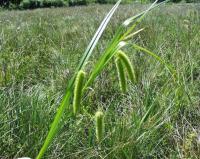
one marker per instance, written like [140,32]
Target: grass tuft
[40,52]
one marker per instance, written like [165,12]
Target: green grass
[156,118]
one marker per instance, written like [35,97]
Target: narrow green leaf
[93,42]
[130,20]
[102,62]
[97,35]
[133,34]
[170,68]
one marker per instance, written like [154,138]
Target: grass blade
[141,16]
[97,35]
[170,68]
[93,42]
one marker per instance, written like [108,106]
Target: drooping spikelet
[99,117]
[127,64]
[78,91]
[121,74]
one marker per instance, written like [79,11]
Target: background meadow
[39,50]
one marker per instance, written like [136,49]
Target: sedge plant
[118,42]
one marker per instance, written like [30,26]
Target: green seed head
[127,64]
[121,74]
[78,91]
[99,125]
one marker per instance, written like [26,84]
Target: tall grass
[146,121]
[115,45]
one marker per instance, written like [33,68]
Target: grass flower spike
[99,125]
[78,91]
[127,64]
[121,74]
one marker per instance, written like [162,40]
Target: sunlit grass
[146,121]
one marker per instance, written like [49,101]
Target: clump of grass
[37,73]
[78,91]
[117,43]
[99,118]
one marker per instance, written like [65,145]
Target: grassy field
[39,50]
